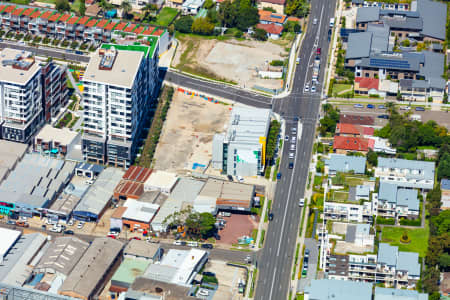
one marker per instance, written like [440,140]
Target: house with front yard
[395,202]
[277,5]
[273,31]
[345,144]
[406,173]
[345,164]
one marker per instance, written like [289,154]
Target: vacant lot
[232,61]
[419,238]
[188,132]
[166,16]
[236,227]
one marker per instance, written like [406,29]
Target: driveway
[312,245]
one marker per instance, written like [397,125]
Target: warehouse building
[161,181]
[88,277]
[143,250]
[129,269]
[242,150]
[98,196]
[132,183]
[10,154]
[138,215]
[63,207]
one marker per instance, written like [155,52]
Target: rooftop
[11,69]
[387,254]
[136,173]
[350,143]
[422,169]
[367,83]
[356,119]
[161,180]
[408,261]
[8,238]
[141,248]
[367,14]
[154,287]
[129,269]
[140,211]
[434,15]
[271,28]
[398,294]
[445,184]
[326,289]
[64,136]
[268,16]
[359,44]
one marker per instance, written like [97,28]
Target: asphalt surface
[312,246]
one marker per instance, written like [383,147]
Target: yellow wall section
[262,141]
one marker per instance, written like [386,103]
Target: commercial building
[10,154]
[55,142]
[132,183]
[178,266]
[142,250]
[242,150]
[345,164]
[129,269]
[138,215]
[161,181]
[15,292]
[87,278]
[406,173]
[98,196]
[119,85]
[63,207]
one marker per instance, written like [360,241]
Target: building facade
[119,86]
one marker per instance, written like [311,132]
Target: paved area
[228,277]
[236,227]
[312,245]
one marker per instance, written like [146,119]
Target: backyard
[166,16]
[341,88]
[419,238]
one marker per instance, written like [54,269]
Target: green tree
[260,34]
[62,5]
[202,26]
[372,158]
[126,8]
[239,13]
[148,9]
[209,4]
[200,224]
[82,8]
[443,170]
[298,8]
[184,24]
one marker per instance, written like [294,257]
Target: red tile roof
[350,143]
[10,9]
[64,18]
[271,28]
[130,28]
[46,15]
[368,130]
[83,20]
[371,144]
[148,31]
[110,26]
[271,17]
[139,29]
[54,17]
[72,20]
[121,26]
[139,174]
[344,128]
[27,12]
[18,11]
[101,23]
[36,14]
[367,83]
[158,32]
[91,23]
[89,1]
[279,2]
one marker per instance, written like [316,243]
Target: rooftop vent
[22,61]
[108,56]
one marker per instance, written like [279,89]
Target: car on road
[286,138]
[207,246]
[315,21]
[296,119]
[371,106]
[192,244]
[291,165]
[293,139]
[301,202]
[111,236]
[298,60]
[313,89]
[22,224]
[68,232]
[358,105]
[293,130]
[304,272]
[134,238]
[381,107]
[306,89]
[405,108]
[291,155]
[270,216]
[240,178]
[306,253]
[319,51]
[420,108]
[383,117]
[177,243]
[279,176]
[80,225]
[292,147]
[114,233]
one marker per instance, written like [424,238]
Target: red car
[318,51]
[111,236]
[135,238]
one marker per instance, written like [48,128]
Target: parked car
[114,233]
[279,176]
[319,51]
[358,105]
[291,155]
[22,224]
[80,225]
[270,216]
[306,252]
[230,178]
[381,107]
[177,243]
[286,138]
[134,238]
[207,246]
[315,21]
[203,292]
[240,178]
[56,229]
[371,106]
[420,108]
[192,244]
[211,274]
[44,227]
[301,202]
[70,223]
[11,222]
[112,236]
[383,117]
[291,165]
[68,232]
[217,236]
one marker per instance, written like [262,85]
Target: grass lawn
[166,16]
[76,5]
[340,196]
[23,2]
[419,238]
[339,88]
[354,181]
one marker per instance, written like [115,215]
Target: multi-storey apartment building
[349,212]
[119,84]
[391,267]
[31,93]
[397,202]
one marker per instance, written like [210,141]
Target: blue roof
[363,229]
[326,289]
[387,254]
[408,197]
[408,261]
[445,184]
[397,294]
[367,14]
[344,163]
[358,45]
[387,192]
[362,190]
[426,168]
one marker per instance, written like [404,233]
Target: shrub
[277,63]
[405,238]
[407,222]
[56,42]
[385,221]
[46,40]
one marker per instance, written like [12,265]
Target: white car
[56,229]
[291,155]
[315,21]
[114,233]
[80,225]
[23,219]
[306,88]
[313,89]
[292,147]
[240,178]
[203,292]
[192,244]
[177,243]
[293,139]
[70,223]
[301,202]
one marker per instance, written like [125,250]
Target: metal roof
[408,197]
[129,269]
[388,192]
[367,14]
[344,163]
[140,211]
[434,15]
[326,289]
[380,37]
[408,261]
[359,44]
[398,294]
[387,254]
[141,248]
[445,184]
[426,168]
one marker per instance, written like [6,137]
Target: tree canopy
[298,8]
[329,121]
[184,24]
[202,26]
[62,5]
[200,224]
[239,13]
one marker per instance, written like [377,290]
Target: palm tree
[126,8]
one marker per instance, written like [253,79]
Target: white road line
[273,281]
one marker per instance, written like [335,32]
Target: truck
[331,22]
[316,69]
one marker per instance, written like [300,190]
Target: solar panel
[276,16]
[386,63]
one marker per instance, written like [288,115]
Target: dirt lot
[228,278]
[230,60]
[188,132]
[236,227]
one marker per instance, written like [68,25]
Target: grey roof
[135,295]
[367,14]
[358,45]
[99,194]
[141,249]
[147,285]
[398,61]
[434,15]
[445,184]
[437,46]
[412,83]
[357,1]
[362,190]
[326,289]
[162,273]
[426,168]
[344,163]
[91,268]
[408,197]
[403,13]
[186,190]
[398,294]
[388,192]
[363,229]
[63,255]
[380,37]
[408,261]
[387,254]
[433,67]
[404,23]
[350,235]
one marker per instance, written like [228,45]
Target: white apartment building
[119,85]
[397,202]
[349,212]
[406,173]
[21,96]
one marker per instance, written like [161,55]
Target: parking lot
[236,227]
[228,277]
[312,246]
